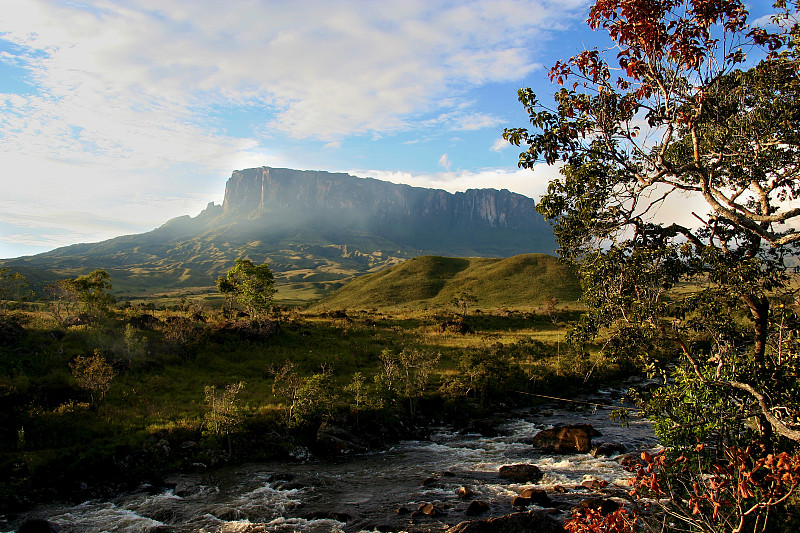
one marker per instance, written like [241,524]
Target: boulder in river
[609,449]
[521,473]
[333,440]
[536,496]
[576,438]
[477,507]
[513,523]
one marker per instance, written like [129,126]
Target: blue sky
[116,116]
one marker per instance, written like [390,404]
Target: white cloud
[444,162]
[362,67]
[476,121]
[499,145]
[531,183]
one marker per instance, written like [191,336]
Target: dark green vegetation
[676,114]
[316,230]
[429,282]
[95,402]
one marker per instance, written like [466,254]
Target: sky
[116,116]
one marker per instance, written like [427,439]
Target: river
[369,492]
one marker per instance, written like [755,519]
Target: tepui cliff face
[475,222]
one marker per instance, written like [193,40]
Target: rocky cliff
[476,222]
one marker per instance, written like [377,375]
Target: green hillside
[431,281]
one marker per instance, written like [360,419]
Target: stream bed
[371,492]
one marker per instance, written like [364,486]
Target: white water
[363,493]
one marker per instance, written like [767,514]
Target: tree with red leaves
[692,106]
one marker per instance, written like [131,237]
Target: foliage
[252,286]
[462,300]
[90,294]
[678,115]
[13,287]
[736,494]
[408,372]
[487,375]
[224,414]
[94,374]
[594,521]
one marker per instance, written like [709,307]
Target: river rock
[519,501]
[609,449]
[465,492]
[575,438]
[521,473]
[430,510]
[332,439]
[477,507]
[536,497]
[537,522]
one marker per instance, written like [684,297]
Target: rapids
[375,491]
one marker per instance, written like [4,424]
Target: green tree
[677,117]
[88,294]
[462,300]
[224,414]
[13,287]
[252,286]
[93,374]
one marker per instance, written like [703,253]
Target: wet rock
[592,483]
[38,525]
[521,473]
[566,439]
[429,482]
[519,501]
[335,440]
[477,507]
[402,510]
[465,492]
[538,522]
[429,509]
[609,449]
[536,497]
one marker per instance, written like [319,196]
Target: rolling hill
[428,282]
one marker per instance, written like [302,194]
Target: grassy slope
[430,281]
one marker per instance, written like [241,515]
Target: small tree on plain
[251,286]
[224,413]
[93,374]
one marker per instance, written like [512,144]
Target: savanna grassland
[93,403]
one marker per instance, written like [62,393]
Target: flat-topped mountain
[316,229]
